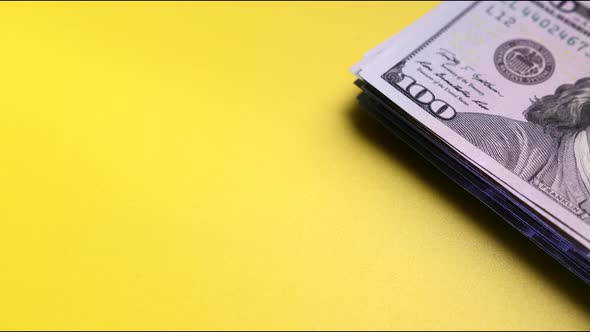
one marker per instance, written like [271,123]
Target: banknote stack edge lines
[496,95]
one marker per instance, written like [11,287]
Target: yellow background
[205,165]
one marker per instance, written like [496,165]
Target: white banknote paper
[507,85]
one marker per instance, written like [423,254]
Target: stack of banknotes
[496,94]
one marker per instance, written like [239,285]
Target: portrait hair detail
[565,111]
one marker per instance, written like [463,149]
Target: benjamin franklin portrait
[551,150]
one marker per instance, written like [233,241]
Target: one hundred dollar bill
[507,85]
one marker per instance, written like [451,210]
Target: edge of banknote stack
[519,212]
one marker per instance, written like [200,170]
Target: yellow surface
[204,165]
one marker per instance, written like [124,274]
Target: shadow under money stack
[500,106]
